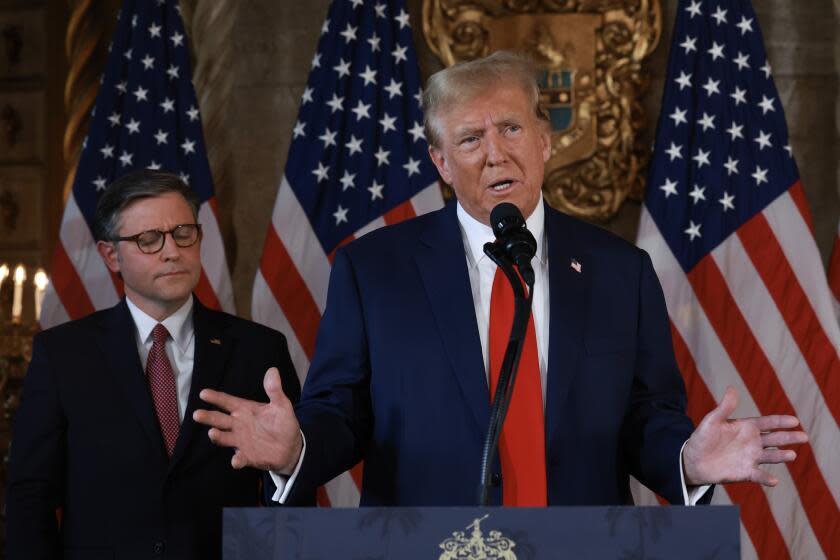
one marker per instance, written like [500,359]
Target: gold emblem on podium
[476,546]
[590,54]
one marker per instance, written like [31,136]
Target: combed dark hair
[143,183]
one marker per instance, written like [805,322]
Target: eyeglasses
[152,241]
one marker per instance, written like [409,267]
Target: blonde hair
[464,81]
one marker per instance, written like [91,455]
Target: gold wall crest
[476,546]
[590,54]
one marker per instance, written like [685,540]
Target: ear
[545,135]
[439,159]
[108,252]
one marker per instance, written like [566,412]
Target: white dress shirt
[482,271]
[180,345]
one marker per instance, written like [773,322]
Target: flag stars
[347,181]
[177,39]
[739,96]
[354,146]
[193,113]
[417,132]
[763,140]
[361,110]
[125,158]
[161,137]
[128,54]
[684,80]
[336,103]
[716,51]
[689,44]
[702,157]
[669,188]
[148,62]
[731,166]
[707,122]
[694,9]
[745,25]
[402,19]
[711,86]
[325,27]
[693,230]
[140,93]
[387,123]
[340,215]
[394,89]
[168,105]
[321,172]
[114,118]
[154,30]
[99,183]
[316,60]
[742,60]
[375,191]
[735,131]
[719,16]
[172,72]
[188,146]
[153,165]
[789,150]
[381,156]
[697,193]
[343,68]
[760,175]
[184,178]
[399,54]
[298,131]
[369,75]
[374,42]
[328,138]
[766,105]
[107,151]
[412,167]
[357,3]
[727,201]
[379,8]
[678,116]
[122,87]
[674,151]
[133,126]
[766,69]
[349,33]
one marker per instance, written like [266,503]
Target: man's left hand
[730,450]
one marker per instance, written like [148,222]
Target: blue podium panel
[481,533]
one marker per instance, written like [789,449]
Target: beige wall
[274,43]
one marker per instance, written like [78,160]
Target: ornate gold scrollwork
[590,53]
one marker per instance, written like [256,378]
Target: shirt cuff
[691,495]
[285,483]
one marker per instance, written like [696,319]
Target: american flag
[358,160]
[146,116]
[834,273]
[729,230]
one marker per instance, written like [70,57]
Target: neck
[156,310]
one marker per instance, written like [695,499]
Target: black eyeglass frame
[171,232]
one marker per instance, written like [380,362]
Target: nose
[494,144]
[170,250]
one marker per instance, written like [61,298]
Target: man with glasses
[106,460]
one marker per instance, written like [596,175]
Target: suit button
[496,479]
[159,547]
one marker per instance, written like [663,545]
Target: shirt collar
[179,324]
[477,233]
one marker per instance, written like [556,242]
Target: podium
[466,533]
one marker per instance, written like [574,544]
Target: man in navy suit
[104,434]
[399,378]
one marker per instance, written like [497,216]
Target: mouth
[171,274]
[501,186]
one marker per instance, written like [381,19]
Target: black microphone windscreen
[504,217]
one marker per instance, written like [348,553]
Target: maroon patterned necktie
[162,384]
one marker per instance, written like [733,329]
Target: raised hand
[264,435]
[730,450]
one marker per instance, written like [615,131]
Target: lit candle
[41,282]
[17,302]
[4,273]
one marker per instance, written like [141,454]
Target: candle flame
[41,279]
[20,274]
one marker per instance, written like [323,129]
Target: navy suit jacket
[398,378]
[86,440]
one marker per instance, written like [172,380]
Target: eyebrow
[469,130]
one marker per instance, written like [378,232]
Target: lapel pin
[576,266]
[215,341]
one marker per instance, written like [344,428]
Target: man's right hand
[264,435]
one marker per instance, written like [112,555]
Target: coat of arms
[476,546]
[590,54]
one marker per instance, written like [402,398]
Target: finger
[781,439]
[763,477]
[213,419]
[223,400]
[773,456]
[727,405]
[238,460]
[223,439]
[776,422]
[273,385]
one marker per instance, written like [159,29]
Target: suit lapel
[211,351]
[119,345]
[567,272]
[442,264]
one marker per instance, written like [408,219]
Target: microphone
[514,238]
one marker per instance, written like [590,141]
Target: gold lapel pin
[215,341]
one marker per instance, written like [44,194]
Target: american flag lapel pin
[216,341]
[576,266]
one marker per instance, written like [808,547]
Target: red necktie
[522,442]
[162,384]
